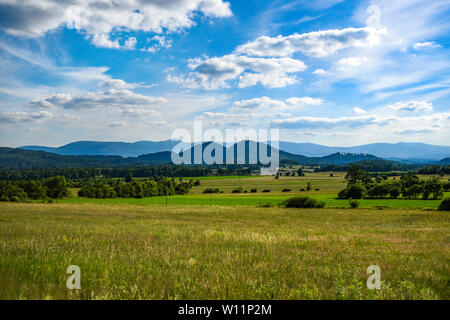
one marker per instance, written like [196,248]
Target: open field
[223,246]
[258,200]
[328,190]
[211,252]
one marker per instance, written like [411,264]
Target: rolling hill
[11,158]
[124,149]
[403,151]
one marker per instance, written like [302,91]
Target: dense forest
[361,184]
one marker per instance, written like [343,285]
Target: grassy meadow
[328,189]
[223,246]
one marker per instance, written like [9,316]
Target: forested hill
[11,158]
[406,152]
[124,149]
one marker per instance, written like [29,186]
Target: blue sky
[334,72]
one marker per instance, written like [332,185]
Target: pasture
[328,188]
[223,246]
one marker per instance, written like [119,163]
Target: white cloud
[89,100]
[121,84]
[323,122]
[351,62]
[386,122]
[99,19]
[315,44]
[304,101]
[213,73]
[272,105]
[424,45]
[390,62]
[412,106]
[138,112]
[259,103]
[15,117]
[102,40]
[320,72]
[161,42]
[130,43]
[357,110]
[220,119]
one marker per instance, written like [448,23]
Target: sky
[333,72]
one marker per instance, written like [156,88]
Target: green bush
[354,191]
[266,190]
[303,202]
[394,191]
[211,190]
[197,183]
[302,189]
[254,190]
[379,191]
[286,190]
[4,198]
[237,190]
[444,205]
[57,187]
[353,204]
[15,199]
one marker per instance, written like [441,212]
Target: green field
[222,246]
[328,189]
[203,252]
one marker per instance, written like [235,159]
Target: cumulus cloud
[316,44]
[425,45]
[15,117]
[158,43]
[100,18]
[319,72]
[213,73]
[267,60]
[268,104]
[103,41]
[412,106]
[130,43]
[89,100]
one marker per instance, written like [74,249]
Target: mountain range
[405,152]
[15,158]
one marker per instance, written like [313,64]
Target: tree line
[360,184]
[54,187]
[122,172]
[133,188]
